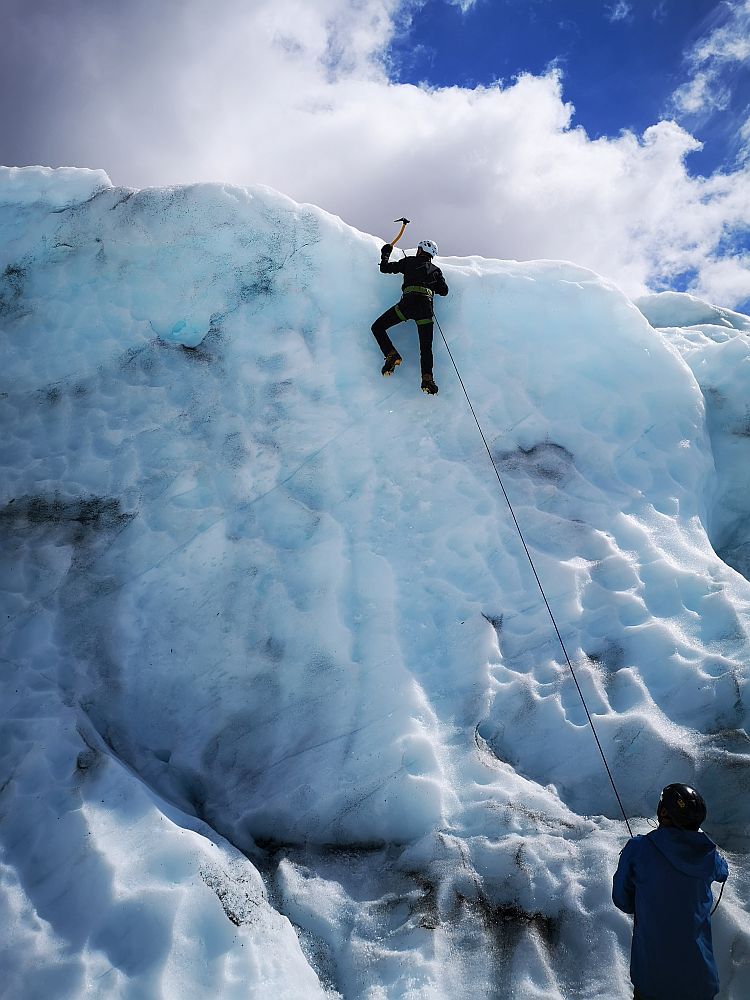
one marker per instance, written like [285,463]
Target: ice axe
[404,223]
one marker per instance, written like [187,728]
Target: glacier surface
[283,710]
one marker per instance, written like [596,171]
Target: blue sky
[613,133]
[621,62]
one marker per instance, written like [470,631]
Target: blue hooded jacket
[664,879]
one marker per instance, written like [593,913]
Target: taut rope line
[539,582]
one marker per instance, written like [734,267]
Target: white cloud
[725,280]
[714,60]
[744,135]
[619,11]
[703,92]
[295,95]
[464,5]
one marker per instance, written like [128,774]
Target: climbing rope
[721,893]
[539,582]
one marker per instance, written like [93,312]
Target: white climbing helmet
[429,247]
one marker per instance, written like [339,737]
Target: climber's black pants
[424,327]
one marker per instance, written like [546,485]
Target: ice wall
[714,342]
[273,651]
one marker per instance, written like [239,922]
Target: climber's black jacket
[422,278]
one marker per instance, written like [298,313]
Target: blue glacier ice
[283,711]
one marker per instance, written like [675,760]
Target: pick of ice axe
[404,223]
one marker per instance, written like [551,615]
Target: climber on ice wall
[422,279]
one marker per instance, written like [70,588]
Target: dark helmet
[684,806]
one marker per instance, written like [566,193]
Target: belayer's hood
[690,852]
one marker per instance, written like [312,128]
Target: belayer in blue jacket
[664,879]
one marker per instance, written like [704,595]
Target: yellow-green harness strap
[419,289]
[419,322]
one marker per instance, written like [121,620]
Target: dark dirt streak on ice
[315,746]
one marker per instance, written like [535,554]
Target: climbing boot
[392,361]
[428,384]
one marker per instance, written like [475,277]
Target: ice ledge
[680,309]
[59,187]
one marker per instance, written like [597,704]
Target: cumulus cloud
[725,280]
[297,96]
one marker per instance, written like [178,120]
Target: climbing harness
[419,322]
[539,582]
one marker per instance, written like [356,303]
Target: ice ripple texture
[283,712]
